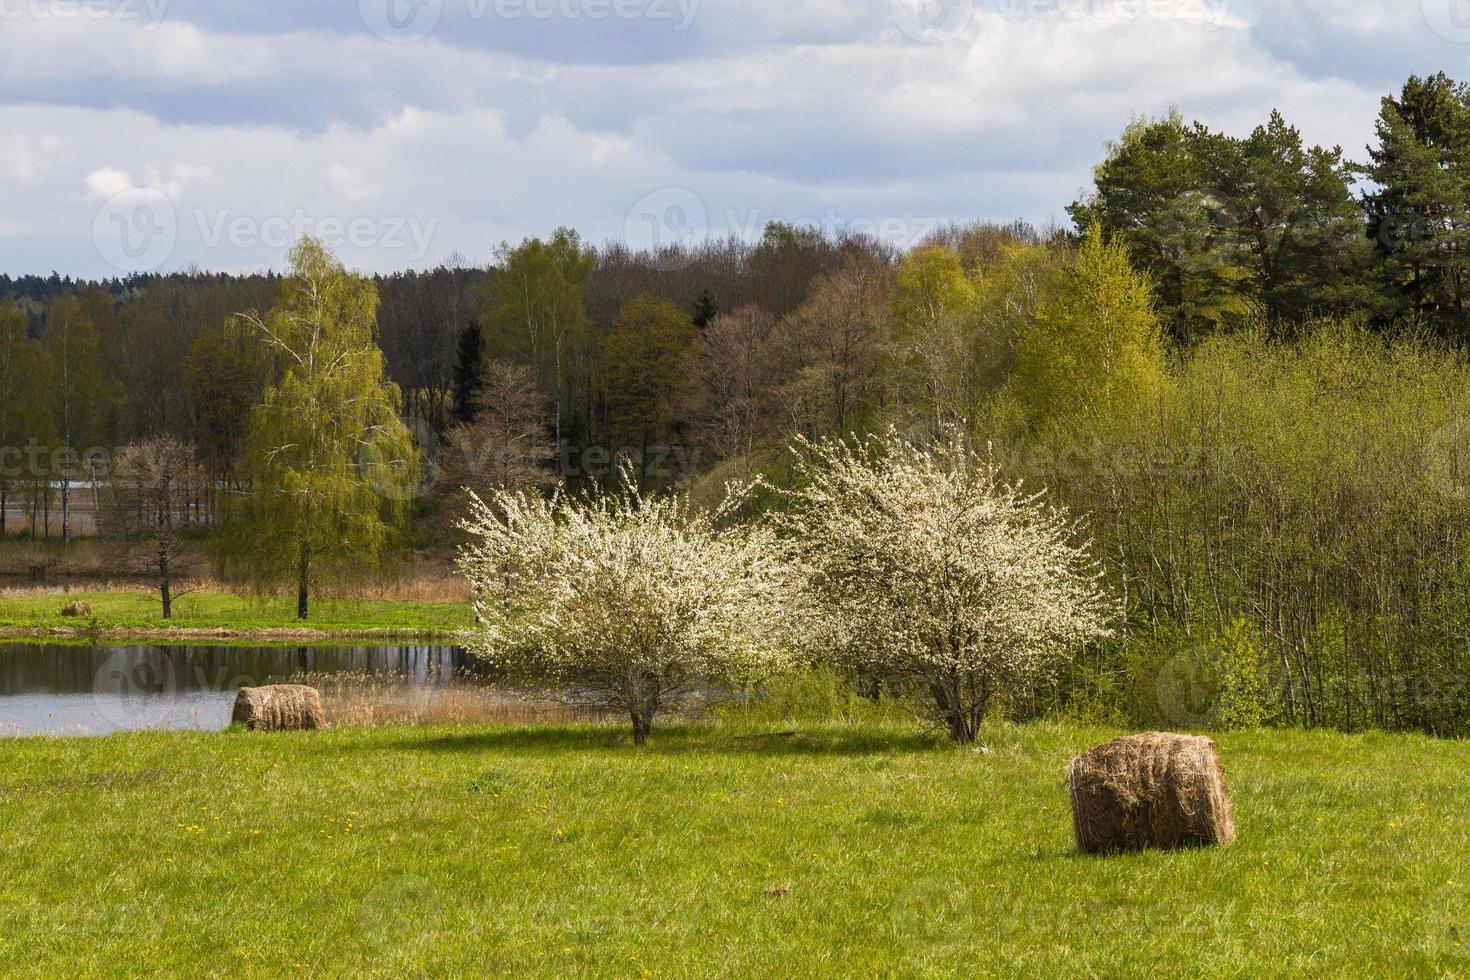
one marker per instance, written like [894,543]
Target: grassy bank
[839,851]
[119,614]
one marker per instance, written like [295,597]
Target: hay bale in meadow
[78,608]
[279,707]
[1156,790]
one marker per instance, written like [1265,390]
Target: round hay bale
[77,608]
[1149,791]
[279,708]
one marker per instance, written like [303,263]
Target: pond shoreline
[264,633]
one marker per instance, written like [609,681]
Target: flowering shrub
[921,566]
[624,601]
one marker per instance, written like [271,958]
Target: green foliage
[227,367]
[1314,488]
[1093,348]
[1217,680]
[644,358]
[817,695]
[331,467]
[72,341]
[26,410]
[933,302]
[533,311]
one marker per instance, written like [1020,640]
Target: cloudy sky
[139,134]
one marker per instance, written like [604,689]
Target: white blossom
[923,567]
[623,600]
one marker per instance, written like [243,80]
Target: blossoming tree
[925,568]
[624,601]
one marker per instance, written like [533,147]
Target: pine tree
[1420,214]
[705,309]
[469,372]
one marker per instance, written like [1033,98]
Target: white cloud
[106,183]
[353,183]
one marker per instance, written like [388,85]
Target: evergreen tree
[1230,229]
[705,309]
[1419,215]
[469,372]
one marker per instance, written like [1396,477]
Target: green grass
[141,612]
[564,851]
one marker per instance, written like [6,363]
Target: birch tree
[330,464]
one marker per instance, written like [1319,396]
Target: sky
[142,135]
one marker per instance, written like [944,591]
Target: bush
[1214,680]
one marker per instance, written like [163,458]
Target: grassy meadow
[839,849]
[138,613]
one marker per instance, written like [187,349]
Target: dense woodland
[1244,370]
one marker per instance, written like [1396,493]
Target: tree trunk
[302,598]
[163,585]
[3,504]
[642,725]
[65,510]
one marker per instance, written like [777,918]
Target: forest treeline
[1243,370]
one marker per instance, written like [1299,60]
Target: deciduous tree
[623,601]
[331,465]
[927,569]
[156,483]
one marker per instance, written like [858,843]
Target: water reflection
[65,690]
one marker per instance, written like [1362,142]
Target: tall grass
[455,696]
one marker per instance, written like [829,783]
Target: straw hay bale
[279,707]
[1150,791]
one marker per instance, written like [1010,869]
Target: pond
[55,689]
